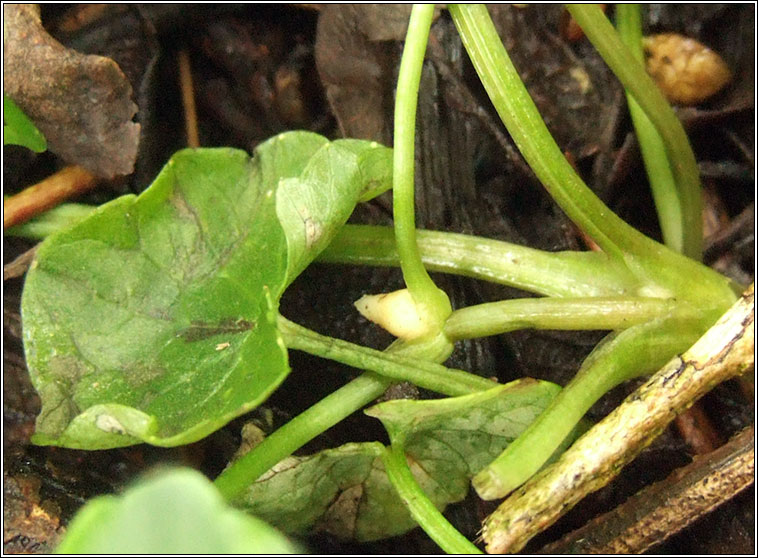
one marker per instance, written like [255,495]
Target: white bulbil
[396,312]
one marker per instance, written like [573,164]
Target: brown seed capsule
[687,71]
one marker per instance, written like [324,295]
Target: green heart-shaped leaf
[154,319]
[346,491]
[175,512]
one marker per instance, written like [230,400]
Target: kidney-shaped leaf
[154,319]
[346,491]
[175,512]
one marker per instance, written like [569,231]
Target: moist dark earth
[262,69]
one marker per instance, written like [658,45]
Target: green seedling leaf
[175,512]
[346,491]
[343,173]
[18,129]
[154,319]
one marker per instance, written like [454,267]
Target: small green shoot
[662,183]
[51,221]
[18,129]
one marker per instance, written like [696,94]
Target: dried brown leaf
[82,103]
[353,70]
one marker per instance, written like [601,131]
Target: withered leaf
[81,103]
[353,70]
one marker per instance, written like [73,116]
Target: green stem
[660,175]
[429,375]
[555,274]
[598,313]
[528,130]
[639,350]
[660,271]
[422,509]
[647,94]
[335,407]
[559,274]
[434,304]
[318,418]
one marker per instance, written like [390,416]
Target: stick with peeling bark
[725,351]
[666,507]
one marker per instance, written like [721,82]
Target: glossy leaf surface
[154,319]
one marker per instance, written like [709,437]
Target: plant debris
[81,103]
[664,508]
